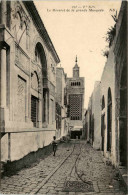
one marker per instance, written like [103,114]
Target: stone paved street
[76,163]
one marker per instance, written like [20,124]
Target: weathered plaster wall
[24,143]
[96,110]
[108,81]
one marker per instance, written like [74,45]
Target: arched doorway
[102,124]
[109,121]
[123,117]
[41,60]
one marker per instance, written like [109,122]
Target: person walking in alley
[54,144]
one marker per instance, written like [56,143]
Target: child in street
[54,144]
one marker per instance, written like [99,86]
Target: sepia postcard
[63,97]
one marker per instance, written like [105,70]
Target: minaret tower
[76,70]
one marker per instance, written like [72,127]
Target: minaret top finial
[76,58]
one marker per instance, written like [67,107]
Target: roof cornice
[41,28]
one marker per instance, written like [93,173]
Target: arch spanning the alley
[109,120]
[123,116]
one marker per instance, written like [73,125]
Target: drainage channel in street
[36,190]
[70,186]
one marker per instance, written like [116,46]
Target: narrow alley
[77,168]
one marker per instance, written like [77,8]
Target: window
[102,130]
[35,82]
[109,120]
[103,103]
[75,102]
[75,83]
[27,40]
[8,18]
[52,113]
[37,56]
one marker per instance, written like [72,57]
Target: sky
[79,28]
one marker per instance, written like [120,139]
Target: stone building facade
[92,118]
[95,116]
[27,80]
[62,124]
[121,86]
[114,95]
[113,105]
[75,96]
